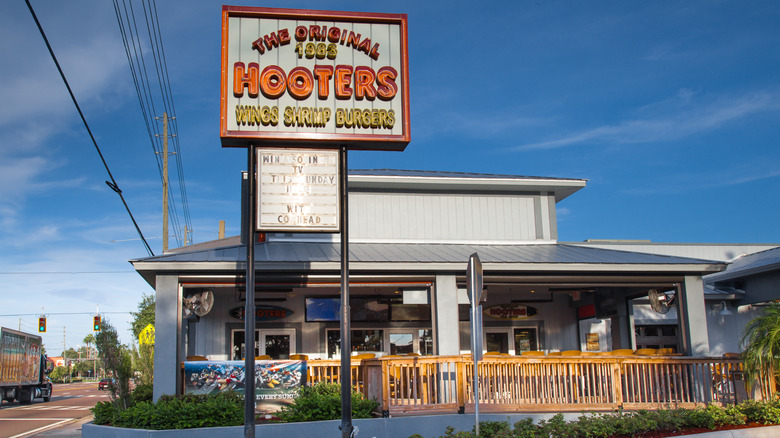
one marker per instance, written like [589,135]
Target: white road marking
[41,429]
[52,408]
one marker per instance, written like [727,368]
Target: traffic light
[42,324]
[96,324]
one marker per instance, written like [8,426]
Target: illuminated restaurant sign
[324,77]
[262,313]
[510,311]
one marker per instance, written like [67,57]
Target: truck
[23,367]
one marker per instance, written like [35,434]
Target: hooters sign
[332,78]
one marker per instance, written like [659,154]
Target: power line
[113,184]
[147,100]
[67,313]
[64,272]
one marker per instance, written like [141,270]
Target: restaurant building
[411,235]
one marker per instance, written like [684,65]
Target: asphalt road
[60,417]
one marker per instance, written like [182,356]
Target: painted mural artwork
[276,381]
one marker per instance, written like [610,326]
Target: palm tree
[761,341]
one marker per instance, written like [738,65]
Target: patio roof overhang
[552,263]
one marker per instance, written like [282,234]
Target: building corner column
[167,336]
[445,309]
[692,314]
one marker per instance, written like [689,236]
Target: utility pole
[165,183]
[186,232]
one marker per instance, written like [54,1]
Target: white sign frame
[274,90]
[298,190]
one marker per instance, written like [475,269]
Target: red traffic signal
[42,325]
[96,324]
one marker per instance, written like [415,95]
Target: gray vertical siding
[450,217]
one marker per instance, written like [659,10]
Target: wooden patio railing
[510,384]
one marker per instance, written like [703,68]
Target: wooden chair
[664,351]
[299,357]
[646,352]
[623,352]
[554,353]
[588,353]
[364,356]
[732,355]
[492,353]
[263,357]
[532,353]
[196,358]
[571,353]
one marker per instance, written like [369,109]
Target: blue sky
[670,110]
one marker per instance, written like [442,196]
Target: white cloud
[672,121]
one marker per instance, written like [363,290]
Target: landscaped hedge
[175,412]
[626,424]
[319,402]
[323,402]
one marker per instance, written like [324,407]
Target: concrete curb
[400,427]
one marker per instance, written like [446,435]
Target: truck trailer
[23,367]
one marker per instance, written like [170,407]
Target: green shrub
[494,429]
[323,402]
[758,412]
[175,412]
[142,393]
[103,412]
[555,427]
[629,423]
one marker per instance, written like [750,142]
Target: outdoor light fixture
[725,310]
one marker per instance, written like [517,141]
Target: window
[390,341]
[657,336]
[425,340]
[525,340]
[366,309]
[360,340]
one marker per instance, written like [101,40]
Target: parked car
[105,382]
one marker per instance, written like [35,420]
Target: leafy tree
[83,368]
[59,373]
[143,362]
[144,316]
[89,340]
[117,363]
[143,357]
[761,341]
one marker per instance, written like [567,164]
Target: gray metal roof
[406,180]
[751,264]
[444,174]
[414,254]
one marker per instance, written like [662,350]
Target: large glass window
[426,342]
[366,309]
[657,336]
[401,343]
[497,341]
[525,340]
[277,343]
[360,340]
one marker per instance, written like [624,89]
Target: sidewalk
[70,430]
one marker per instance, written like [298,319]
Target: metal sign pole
[249,305]
[474,290]
[346,348]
